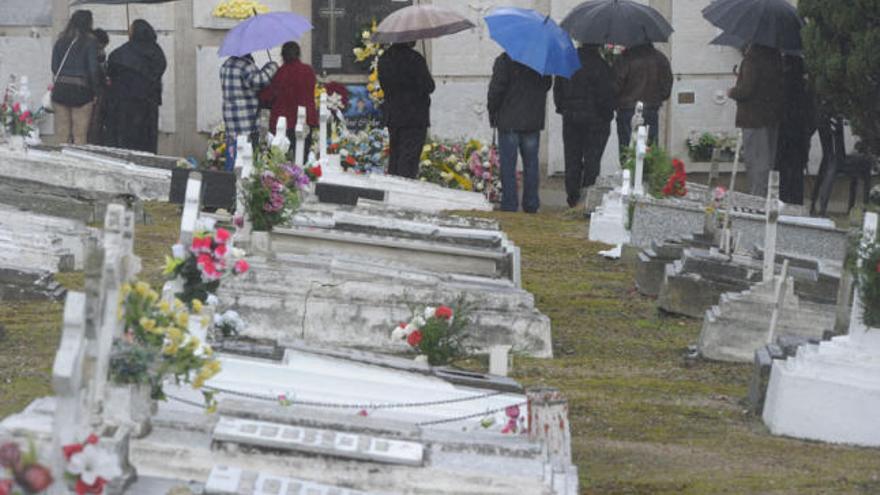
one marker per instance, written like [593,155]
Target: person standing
[241,81]
[76,72]
[98,120]
[517,103]
[586,103]
[135,70]
[799,115]
[292,87]
[642,74]
[758,95]
[407,84]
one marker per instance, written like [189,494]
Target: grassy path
[643,422]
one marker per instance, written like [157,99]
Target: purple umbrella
[262,32]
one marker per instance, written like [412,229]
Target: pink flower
[238,221]
[16,107]
[5,487]
[241,266]
[220,251]
[10,455]
[414,338]
[222,236]
[443,312]
[512,412]
[35,478]
[363,412]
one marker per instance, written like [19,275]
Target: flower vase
[130,406]
[16,143]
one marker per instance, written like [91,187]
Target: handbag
[46,102]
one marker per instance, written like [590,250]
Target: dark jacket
[517,99]
[642,74]
[588,97]
[80,70]
[135,70]
[407,83]
[758,90]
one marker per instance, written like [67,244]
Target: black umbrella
[727,39]
[618,22]
[773,23]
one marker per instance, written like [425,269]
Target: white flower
[93,463]
[178,251]
[399,333]
[212,300]
[429,312]
[418,322]
[237,253]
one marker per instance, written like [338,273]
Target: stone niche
[203,13]
[27,50]
[26,13]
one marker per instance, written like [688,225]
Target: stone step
[225,480]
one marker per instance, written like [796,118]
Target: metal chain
[334,405]
[469,416]
[186,401]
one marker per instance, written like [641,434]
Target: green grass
[643,420]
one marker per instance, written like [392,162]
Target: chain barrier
[469,416]
[186,401]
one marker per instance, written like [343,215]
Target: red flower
[72,449]
[414,338]
[25,116]
[363,412]
[5,487]
[241,266]
[35,478]
[204,260]
[350,160]
[316,171]
[97,488]
[202,244]
[10,455]
[443,312]
[16,107]
[220,251]
[222,236]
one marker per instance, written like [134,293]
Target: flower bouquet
[365,151]
[368,50]
[89,467]
[26,475]
[676,185]
[204,265]
[701,146]
[437,333]
[657,169]
[156,344]
[215,156]
[229,324]
[239,9]
[272,194]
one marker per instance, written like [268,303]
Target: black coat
[407,83]
[517,99]
[135,70]
[588,97]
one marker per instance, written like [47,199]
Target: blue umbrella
[262,32]
[534,40]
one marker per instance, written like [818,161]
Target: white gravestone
[608,222]
[772,218]
[192,205]
[300,137]
[641,151]
[831,391]
[244,169]
[279,139]
[324,116]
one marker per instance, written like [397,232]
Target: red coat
[292,87]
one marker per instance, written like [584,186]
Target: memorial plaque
[26,13]
[338,26]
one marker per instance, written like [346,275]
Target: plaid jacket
[242,81]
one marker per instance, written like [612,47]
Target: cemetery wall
[461,65]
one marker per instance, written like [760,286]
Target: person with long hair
[77,77]
[135,70]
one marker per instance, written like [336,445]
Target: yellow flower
[174,335]
[178,305]
[208,350]
[193,343]
[126,289]
[147,323]
[374,76]
[182,319]
[142,288]
[197,306]
[152,296]
[170,350]
[165,307]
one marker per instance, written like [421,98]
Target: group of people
[112,101]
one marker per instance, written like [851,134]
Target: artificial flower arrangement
[657,170]
[701,145]
[676,185]
[156,344]
[208,260]
[470,166]
[368,50]
[272,194]
[16,118]
[229,324]
[239,9]
[26,475]
[365,151]
[439,334]
[89,467]
[215,156]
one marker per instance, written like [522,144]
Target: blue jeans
[624,125]
[526,144]
[230,152]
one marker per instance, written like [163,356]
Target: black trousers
[406,150]
[584,146]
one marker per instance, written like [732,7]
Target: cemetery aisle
[642,420]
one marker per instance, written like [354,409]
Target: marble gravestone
[337,29]
[26,13]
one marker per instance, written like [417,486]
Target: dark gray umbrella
[773,23]
[419,22]
[727,39]
[618,22]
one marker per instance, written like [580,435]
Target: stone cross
[322,133]
[772,219]
[726,237]
[781,286]
[626,187]
[244,169]
[638,120]
[332,12]
[709,222]
[192,205]
[862,336]
[280,139]
[300,137]
[641,151]
[70,382]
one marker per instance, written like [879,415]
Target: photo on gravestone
[361,111]
[337,30]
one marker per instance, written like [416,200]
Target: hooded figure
[135,71]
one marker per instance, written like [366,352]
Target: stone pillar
[772,218]
[548,424]
[300,137]
[641,151]
[322,134]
